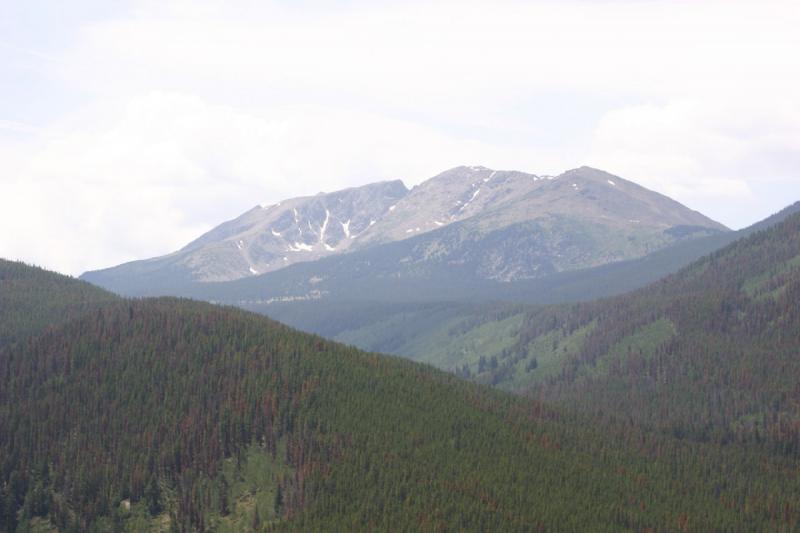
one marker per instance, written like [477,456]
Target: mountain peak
[590,173]
[599,206]
[459,173]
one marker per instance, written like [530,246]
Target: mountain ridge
[707,352]
[429,327]
[504,225]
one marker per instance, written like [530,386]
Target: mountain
[166,414]
[517,226]
[709,352]
[471,222]
[473,321]
[388,273]
[268,238]
[504,198]
[449,197]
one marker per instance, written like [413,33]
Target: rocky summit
[501,225]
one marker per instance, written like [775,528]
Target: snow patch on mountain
[370,216]
[301,247]
[474,195]
[324,227]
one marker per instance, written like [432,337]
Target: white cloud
[190,112]
[446,52]
[735,160]
[130,179]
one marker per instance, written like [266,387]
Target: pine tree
[278,500]
[152,496]
[255,525]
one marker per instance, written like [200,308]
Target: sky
[127,129]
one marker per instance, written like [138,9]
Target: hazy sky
[127,129]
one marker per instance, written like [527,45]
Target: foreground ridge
[154,411]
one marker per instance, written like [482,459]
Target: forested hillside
[709,353]
[31,299]
[175,415]
[476,323]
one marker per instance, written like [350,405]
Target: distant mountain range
[469,222]
[454,322]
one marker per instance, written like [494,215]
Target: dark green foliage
[376,314]
[152,496]
[151,400]
[32,299]
[278,503]
[709,353]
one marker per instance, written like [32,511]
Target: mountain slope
[449,197]
[32,299]
[450,334]
[380,274]
[709,352]
[150,413]
[267,238]
[478,223]
[452,264]
[504,198]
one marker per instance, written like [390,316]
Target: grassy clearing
[757,286]
[643,341]
[550,351]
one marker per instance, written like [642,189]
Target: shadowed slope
[152,404]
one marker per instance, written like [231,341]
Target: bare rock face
[508,225]
[267,238]
[501,198]
[500,225]
[271,237]
[452,196]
